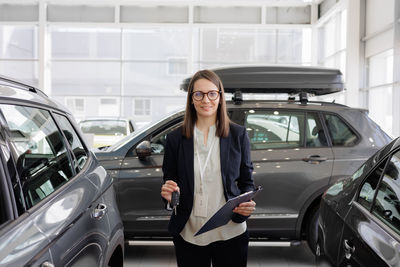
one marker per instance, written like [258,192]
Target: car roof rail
[18,84]
[292,100]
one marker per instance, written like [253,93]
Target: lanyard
[202,170]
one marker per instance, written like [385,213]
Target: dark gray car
[299,148]
[57,204]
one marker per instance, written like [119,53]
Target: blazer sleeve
[169,166]
[245,182]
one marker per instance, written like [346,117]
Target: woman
[208,161]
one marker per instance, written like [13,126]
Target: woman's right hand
[167,189]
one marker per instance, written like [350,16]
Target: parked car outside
[57,204]
[359,221]
[106,131]
[299,149]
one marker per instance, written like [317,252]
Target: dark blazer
[236,170]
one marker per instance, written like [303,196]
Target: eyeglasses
[212,95]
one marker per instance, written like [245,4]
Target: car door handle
[47,264]
[99,211]
[315,159]
[348,249]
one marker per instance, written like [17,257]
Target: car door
[139,185]
[22,243]
[293,163]
[84,240]
[371,232]
[348,150]
[58,186]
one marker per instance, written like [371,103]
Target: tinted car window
[158,141]
[73,140]
[340,133]
[387,203]
[315,136]
[274,129]
[42,162]
[369,187]
[3,214]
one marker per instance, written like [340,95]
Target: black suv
[299,148]
[57,204]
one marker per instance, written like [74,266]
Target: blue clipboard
[224,214]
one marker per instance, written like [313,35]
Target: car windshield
[104,127]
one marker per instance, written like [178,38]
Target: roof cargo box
[278,79]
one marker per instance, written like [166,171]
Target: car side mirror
[143,149]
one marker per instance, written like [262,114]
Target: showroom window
[92,59]
[75,105]
[155,60]
[142,107]
[86,61]
[332,49]
[177,66]
[43,164]
[19,53]
[332,42]
[380,87]
[224,46]
[108,106]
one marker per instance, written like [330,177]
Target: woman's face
[205,107]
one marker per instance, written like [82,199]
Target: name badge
[200,205]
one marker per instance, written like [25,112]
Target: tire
[312,229]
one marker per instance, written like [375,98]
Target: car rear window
[341,134]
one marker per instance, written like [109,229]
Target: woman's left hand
[245,208]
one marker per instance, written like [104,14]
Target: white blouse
[213,187]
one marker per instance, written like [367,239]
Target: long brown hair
[190,113]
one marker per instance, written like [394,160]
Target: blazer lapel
[189,157]
[224,143]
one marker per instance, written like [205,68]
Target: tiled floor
[154,254]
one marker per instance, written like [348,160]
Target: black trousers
[231,252]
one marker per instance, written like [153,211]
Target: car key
[175,200]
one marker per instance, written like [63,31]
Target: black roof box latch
[237,97]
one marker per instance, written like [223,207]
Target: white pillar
[353,53]
[314,35]
[44,82]
[396,71]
